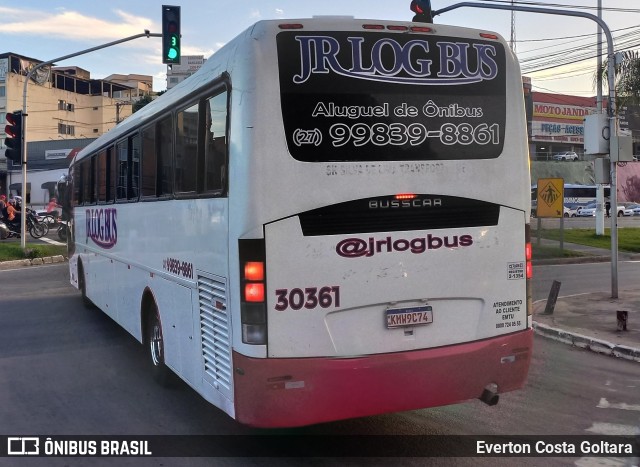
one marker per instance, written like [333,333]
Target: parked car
[587,211]
[635,208]
[590,210]
[570,211]
[624,209]
[566,156]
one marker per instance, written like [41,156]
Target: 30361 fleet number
[309,298]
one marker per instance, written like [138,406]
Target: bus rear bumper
[291,392]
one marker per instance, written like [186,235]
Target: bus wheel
[82,285]
[155,348]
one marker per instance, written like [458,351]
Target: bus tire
[82,285]
[155,348]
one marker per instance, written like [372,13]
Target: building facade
[189,64]
[557,124]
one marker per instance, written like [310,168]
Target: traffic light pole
[611,112]
[23,228]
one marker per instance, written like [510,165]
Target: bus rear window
[364,96]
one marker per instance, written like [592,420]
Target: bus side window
[186,152]
[76,184]
[122,169]
[164,147]
[87,184]
[149,163]
[112,174]
[215,146]
[133,177]
[102,176]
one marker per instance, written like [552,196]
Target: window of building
[67,106]
[66,129]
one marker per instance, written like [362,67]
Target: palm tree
[627,72]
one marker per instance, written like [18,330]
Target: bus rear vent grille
[357,217]
[215,331]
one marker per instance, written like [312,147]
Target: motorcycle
[63,230]
[5,232]
[35,228]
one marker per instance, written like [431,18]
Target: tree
[627,72]
[142,102]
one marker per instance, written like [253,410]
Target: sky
[55,28]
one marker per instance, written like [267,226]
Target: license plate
[411,316]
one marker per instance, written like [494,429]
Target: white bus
[575,195]
[328,220]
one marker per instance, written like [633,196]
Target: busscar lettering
[413,203]
[411,63]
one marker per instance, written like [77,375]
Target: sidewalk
[589,254]
[590,320]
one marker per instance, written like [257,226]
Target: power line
[565,6]
[570,37]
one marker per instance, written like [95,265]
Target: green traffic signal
[170,34]
[173,51]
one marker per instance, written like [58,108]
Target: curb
[586,259]
[19,263]
[588,343]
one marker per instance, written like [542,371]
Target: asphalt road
[69,370]
[583,278]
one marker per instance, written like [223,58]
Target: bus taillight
[291,26]
[253,306]
[254,292]
[404,196]
[254,270]
[528,256]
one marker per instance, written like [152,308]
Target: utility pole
[600,201]
[513,30]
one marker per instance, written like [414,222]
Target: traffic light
[422,9]
[13,141]
[170,34]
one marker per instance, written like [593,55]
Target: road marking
[602,462]
[605,404]
[52,242]
[614,429]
